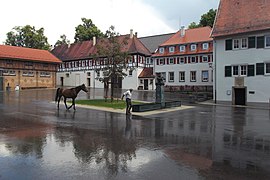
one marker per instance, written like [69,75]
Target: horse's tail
[57,94]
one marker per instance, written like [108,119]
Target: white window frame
[182,76]
[235,68]
[236,43]
[204,78]
[191,59]
[243,70]
[267,68]
[192,76]
[182,60]
[171,49]
[267,41]
[205,46]
[161,50]
[204,58]
[161,61]
[171,60]
[171,76]
[193,47]
[182,48]
[246,43]
[141,81]
[98,73]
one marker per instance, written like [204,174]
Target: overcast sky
[57,17]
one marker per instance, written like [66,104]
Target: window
[267,68]
[260,42]
[171,49]
[205,46]
[9,73]
[171,61]
[205,59]
[182,48]
[171,76]
[243,69]
[236,44]
[235,71]
[193,47]
[130,60]
[193,76]
[252,42]
[161,50]
[88,73]
[205,76]
[251,69]
[193,59]
[182,60]
[130,72]
[141,81]
[228,71]
[259,68]
[161,61]
[267,41]
[45,74]
[244,43]
[28,73]
[182,76]
[228,44]
[98,73]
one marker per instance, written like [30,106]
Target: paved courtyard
[37,141]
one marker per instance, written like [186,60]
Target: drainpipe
[215,70]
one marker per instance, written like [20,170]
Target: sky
[57,17]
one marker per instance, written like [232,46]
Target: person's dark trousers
[129,105]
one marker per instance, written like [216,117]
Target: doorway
[88,82]
[145,84]
[239,96]
[62,81]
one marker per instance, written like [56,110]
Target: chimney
[94,40]
[136,34]
[182,31]
[131,33]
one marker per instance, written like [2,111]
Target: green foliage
[207,19]
[87,31]
[27,36]
[63,40]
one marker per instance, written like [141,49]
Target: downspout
[215,69]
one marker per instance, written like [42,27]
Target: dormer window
[205,46]
[193,47]
[182,48]
[171,49]
[161,50]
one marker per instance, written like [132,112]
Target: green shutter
[259,68]
[260,42]
[228,44]
[250,70]
[252,42]
[228,71]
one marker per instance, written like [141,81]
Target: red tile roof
[191,36]
[147,73]
[85,49]
[241,16]
[21,53]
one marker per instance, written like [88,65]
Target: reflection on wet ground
[37,141]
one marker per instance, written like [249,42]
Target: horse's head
[84,88]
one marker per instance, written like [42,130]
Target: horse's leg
[65,101]
[59,98]
[73,103]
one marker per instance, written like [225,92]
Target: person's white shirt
[127,94]
[17,88]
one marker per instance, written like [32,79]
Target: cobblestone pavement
[37,141]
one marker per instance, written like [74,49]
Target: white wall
[260,84]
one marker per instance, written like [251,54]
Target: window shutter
[157,61]
[260,42]
[251,42]
[250,70]
[228,44]
[228,71]
[259,68]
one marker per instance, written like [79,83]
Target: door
[145,84]
[62,81]
[240,96]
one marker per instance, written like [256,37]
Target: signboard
[239,82]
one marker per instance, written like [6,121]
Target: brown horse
[69,93]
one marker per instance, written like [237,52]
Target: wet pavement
[37,141]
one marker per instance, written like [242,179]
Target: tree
[207,19]
[63,40]
[111,49]
[27,36]
[87,31]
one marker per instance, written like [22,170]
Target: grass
[116,104]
